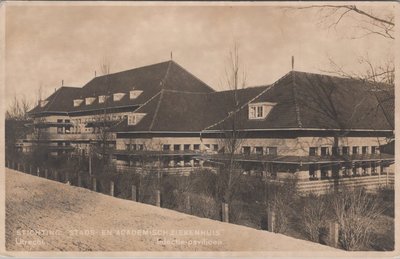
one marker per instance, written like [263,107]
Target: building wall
[285,146]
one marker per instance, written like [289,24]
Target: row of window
[133,94]
[326,151]
[260,150]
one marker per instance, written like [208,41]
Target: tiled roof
[313,101]
[149,79]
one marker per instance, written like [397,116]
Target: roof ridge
[157,108]
[149,100]
[155,64]
[296,105]
[241,89]
[246,103]
[52,100]
[192,75]
[184,92]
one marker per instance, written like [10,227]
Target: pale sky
[49,43]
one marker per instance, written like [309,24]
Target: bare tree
[18,109]
[231,137]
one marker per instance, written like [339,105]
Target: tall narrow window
[312,151]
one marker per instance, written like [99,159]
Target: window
[43,103]
[260,110]
[272,151]
[177,147]
[134,119]
[186,147]
[355,150]
[374,150]
[207,146]
[140,147]
[259,150]
[118,96]
[335,151]
[89,100]
[246,150]
[345,150]
[59,120]
[166,147]
[127,147]
[324,151]
[102,98]
[215,147]
[134,94]
[196,146]
[312,151]
[364,150]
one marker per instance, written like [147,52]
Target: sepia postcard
[198,129]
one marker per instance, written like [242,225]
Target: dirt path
[43,215]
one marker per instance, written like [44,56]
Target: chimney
[62,82]
[95,73]
[171,55]
[292,63]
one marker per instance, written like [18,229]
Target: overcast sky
[47,44]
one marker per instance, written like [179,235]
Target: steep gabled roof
[149,79]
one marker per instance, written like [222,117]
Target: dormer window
[102,98]
[134,118]
[134,94]
[89,100]
[77,102]
[43,103]
[260,110]
[118,96]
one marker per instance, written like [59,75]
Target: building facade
[311,126]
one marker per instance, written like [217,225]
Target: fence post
[225,212]
[66,177]
[79,180]
[158,198]
[30,169]
[188,205]
[333,234]
[94,185]
[134,192]
[18,167]
[56,175]
[37,171]
[270,220]
[46,173]
[112,188]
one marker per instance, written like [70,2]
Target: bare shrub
[356,212]
[281,196]
[313,216]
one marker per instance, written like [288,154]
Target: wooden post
[18,167]
[94,184]
[79,180]
[225,212]
[66,177]
[30,169]
[270,220]
[112,188]
[56,175]
[37,171]
[158,198]
[333,234]
[134,197]
[46,173]
[188,205]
